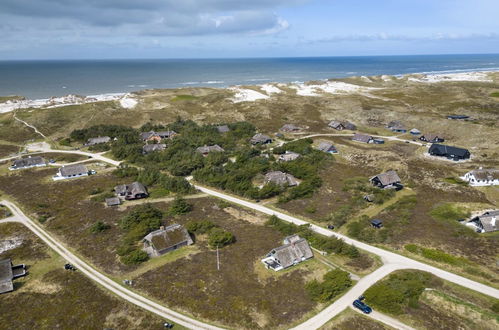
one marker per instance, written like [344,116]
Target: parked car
[363,307]
[69,267]
[330,227]
[168,325]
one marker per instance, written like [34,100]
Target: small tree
[220,238]
[179,206]
[135,257]
[98,227]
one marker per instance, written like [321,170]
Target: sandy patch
[330,87]
[10,244]
[243,215]
[270,89]
[128,102]
[245,95]
[462,76]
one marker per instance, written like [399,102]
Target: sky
[109,29]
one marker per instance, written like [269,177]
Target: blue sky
[68,29]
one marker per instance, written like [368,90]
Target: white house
[482,177]
[71,171]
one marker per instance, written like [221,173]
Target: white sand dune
[270,89]
[461,76]
[126,101]
[245,95]
[330,87]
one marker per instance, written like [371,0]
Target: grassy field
[8,149]
[438,304]
[50,297]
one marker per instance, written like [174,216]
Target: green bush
[95,191]
[176,184]
[145,214]
[494,94]
[219,237]
[98,227]
[125,171]
[135,257]
[100,198]
[200,227]
[334,283]
[495,306]
[413,248]
[179,206]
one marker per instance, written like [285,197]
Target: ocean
[43,79]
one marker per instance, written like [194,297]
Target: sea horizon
[40,79]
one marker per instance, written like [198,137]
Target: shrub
[495,306]
[146,214]
[98,227]
[125,171]
[334,282]
[176,184]
[179,206]
[135,257]
[413,248]
[102,197]
[220,238]
[200,227]
[95,191]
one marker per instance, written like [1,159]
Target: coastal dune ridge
[242,94]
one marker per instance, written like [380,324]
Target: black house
[449,152]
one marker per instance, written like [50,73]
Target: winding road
[392,261]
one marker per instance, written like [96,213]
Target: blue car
[363,307]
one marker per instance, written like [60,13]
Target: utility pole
[218,260]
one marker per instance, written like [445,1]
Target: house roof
[166,134]
[289,156]
[6,276]
[147,135]
[290,128]
[441,149]
[431,136]
[29,161]
[223,129]
[297,250]
[376,222]
[362,138]
[326,147]
[335,124]
[113,201]
[75,169]
[349,125]
[489,221]
[168,237]
[280,178]
[415,131]
[208,149]
[134,188]
[153,147]
[260,138]
[486,174]
[99,139]
[388,178]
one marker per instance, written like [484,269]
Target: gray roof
[489,221]
[147,135]
[98,140]
[335,124]
[280,178]
[29,162]
[289,156]
[486,174]
[290,128]
[388,178]
[153,147]
[207,149]
[166,134]
[132,189]
[415,131]
[70,170]
[260,138]
[431,137]
[6,276]
[362,138]
[168,237]
[295,251]
[223,129]
[326,147]
[113,201]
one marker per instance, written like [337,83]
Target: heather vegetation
[333,284]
